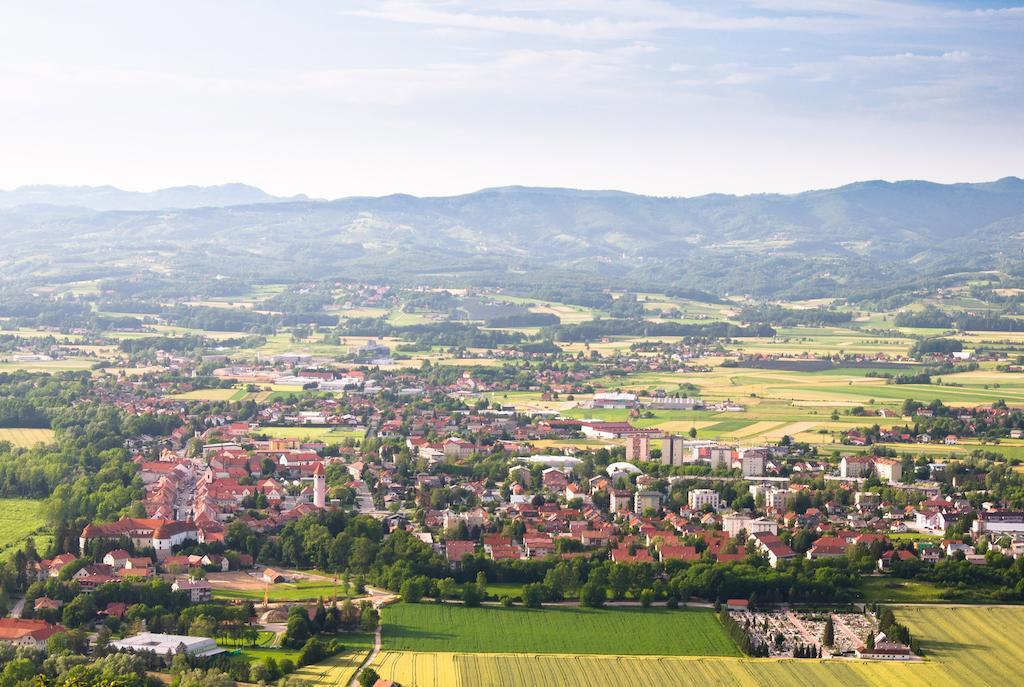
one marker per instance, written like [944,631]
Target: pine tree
[829,636]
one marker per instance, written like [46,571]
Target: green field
[633,631]
[305,590]
[20,518]
[890,589]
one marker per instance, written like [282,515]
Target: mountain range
[811,244]
[112,198]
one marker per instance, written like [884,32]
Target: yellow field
[975,645]
[26,438]
[757,428]
[206,395]
[336,670]
[553,670]
[963,645]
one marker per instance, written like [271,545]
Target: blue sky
[666,98]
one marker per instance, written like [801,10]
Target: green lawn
[353,641]
[20,518]
[500,589]
[306,590]
[896,590]
[568,630]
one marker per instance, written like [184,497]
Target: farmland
[338,669]
[959,642]
[19,518]
[428,627]
[554,670]
[325,434]
[22,437]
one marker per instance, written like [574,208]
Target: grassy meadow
[634,631]
[19,519]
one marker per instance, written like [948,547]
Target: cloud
[603,20]
[600,20]
[511,73]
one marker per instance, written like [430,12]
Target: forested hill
[857,240]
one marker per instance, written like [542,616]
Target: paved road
[18,607]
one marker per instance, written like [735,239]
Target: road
[18,607]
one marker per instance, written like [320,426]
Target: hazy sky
[667,98]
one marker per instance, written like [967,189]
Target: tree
[203,626]
[203,678]
[368,677]
[312,652]
[70,642]
[593,595]
[533,595]
[828,637]
[79,611]
[646,597]
[412,591]
[297,631]
[870,643]
[471,595]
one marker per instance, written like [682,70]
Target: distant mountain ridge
[876,235]
[102,198]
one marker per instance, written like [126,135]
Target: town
[300,515]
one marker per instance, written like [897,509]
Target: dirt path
[369,657]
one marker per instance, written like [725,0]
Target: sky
[443,97]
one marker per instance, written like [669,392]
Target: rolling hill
[852,239]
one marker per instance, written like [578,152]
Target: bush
[313,651]
[534,594]
[593,595]
[368,677]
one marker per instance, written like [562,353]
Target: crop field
[325,434]
[444,669]
[62,365]
[19,518]
[974,645]
[23,437]
[431,627]
[336,671]
[963,646]
[207,395]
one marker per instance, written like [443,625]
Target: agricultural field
[328,435]
[554,670]
[432,627]
[19,519]
[207,395]
[963,646]
[338,670]
[26,437]
[62,365]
